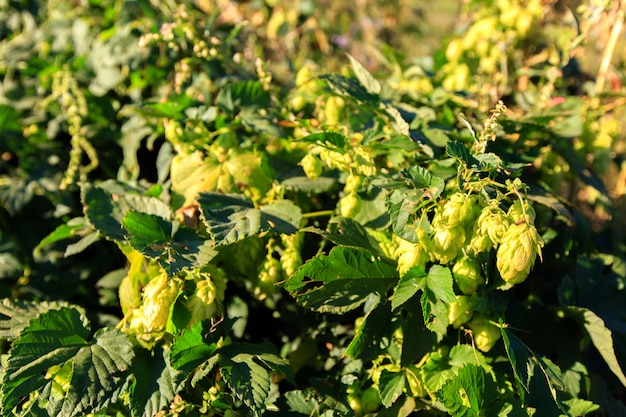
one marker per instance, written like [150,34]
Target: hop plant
[447,242]
[516,255]
[460,311]
[312,166]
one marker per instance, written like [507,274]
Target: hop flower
[447,242]
[408,255]
[517,253]
[158,296]
[518,211]
[460,208]
[493,222]
[485,333]
[460,311]
[467,275]
[312,166]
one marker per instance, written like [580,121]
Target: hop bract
[158,296]
[517,253]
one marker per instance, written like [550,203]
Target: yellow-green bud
[467,275]
[486,334]
[517,252]
[332,110]
[460,311]
[353,183]
[493,222]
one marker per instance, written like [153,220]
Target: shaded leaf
[391,386]
[336,140]
[19,313]
[602,339]
[155,383]
[408,285]
[351,234]
[370,337]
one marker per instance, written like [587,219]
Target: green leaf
[439,281]
[602,339]
[458,150]
[340,281]
[243,94]
[374,328]
[333,140]
[391,386]
[86,241]
[463,395]
[155,382]
[402,207]
[422,179]
[54,340]
[349,87]
[247,369]
[350,234]
[371,84]
[230,218]
[410,283]
[519,357]
[148,234]
[65,231]
[106,204]
[19,313]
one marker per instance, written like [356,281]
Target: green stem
[318,213]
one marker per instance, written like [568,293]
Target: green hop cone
[493,222]
[517,252]
[158,296]
[349,205]
[486,334]
[312,166]
[467,275]
[408,254]
[460,208]
[521,212]
[447,242]
[460,311]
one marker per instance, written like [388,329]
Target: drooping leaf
[340,281]
[349,87]
[148,234]
[371,84]
[391,386]
[51,341]
[65,231]
[335,140]
[75,248]
[519,356]
[458,150]
[155,382]
[248,369]
[602,339]
[374,328]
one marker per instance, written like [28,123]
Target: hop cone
[517,253]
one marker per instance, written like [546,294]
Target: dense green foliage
[213,209]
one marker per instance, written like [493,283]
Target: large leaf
[230,218]
[341,281]
[152,236]
[155,383]
[106,204]
[602,339]
[248,369]
[51,342]
[410,283]
[19,313]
